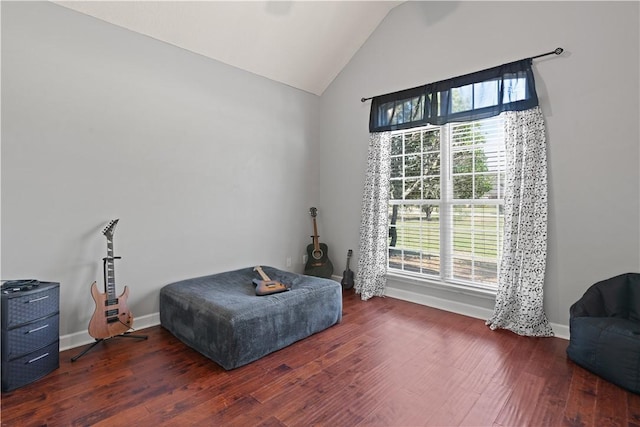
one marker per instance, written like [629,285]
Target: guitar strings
[131,329]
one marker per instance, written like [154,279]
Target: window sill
[473,291]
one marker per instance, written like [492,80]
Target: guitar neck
[316,238]
[109,271]
[262,274]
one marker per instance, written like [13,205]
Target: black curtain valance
[486,93]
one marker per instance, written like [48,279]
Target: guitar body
[318,263]
[110,318]
[268,287]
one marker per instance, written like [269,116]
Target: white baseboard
[81,338]
[560,331]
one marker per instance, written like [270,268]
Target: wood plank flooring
[389,363]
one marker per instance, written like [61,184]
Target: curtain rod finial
[558,50]
[363,99]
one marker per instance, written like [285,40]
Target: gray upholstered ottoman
[221,317]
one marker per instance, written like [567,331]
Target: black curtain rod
[557,51]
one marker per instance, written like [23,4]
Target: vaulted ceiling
[304,44]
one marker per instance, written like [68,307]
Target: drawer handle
[38,299]
[37,329]
[37,358]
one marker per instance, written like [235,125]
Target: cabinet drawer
[33,305]
[30,337]
[31,367]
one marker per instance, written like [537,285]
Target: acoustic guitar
[347,275]
[111,316]
[266,286]
[318,262]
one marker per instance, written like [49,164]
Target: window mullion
[422,196]
[446,209]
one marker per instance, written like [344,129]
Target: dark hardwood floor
[389,363]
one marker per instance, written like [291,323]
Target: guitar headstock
[313,212]
[349,253]
[109,229]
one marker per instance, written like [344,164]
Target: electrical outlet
[304,258]
[288,261]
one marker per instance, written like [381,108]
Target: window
[446,202]
[446,208]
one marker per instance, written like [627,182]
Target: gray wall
[209,168]
[589,96]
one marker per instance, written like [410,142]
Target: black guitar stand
[99,340]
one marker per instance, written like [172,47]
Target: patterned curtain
[371,278]
[519,302]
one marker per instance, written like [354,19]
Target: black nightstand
[30,333]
